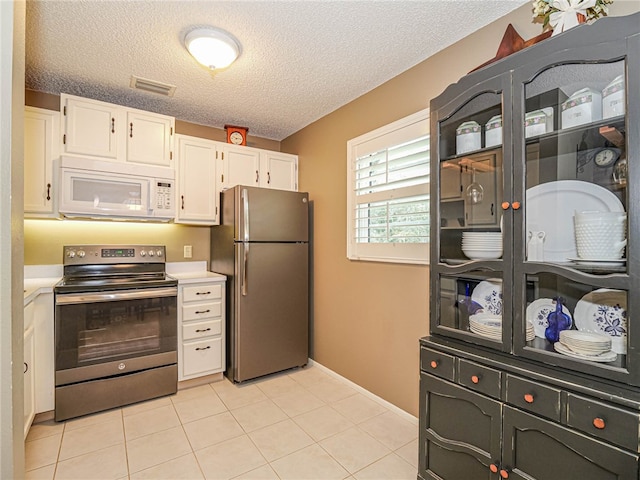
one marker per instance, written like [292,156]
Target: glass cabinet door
[570,240]
[469,243]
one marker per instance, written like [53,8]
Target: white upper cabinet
[99,129]
[41,133]
[196,178]
[279,170]
[254,167]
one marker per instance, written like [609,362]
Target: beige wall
[367,317]
[44,239]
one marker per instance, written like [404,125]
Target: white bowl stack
[585,343]
[482,245]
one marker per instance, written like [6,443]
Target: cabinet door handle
[434,364]
[48,191]
[528,397]
[268,178]
[493,467]
[257,177]
[26,367]
[504,473]
[201,330]
[113,125]
[203,311]
[203,348]
[203,293]
[505,205]
[131,130]
[515,205]
[182,198]
[492,209]
[599,423]
[475,379]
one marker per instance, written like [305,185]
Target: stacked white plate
[482,245]
[486,325]
[586,346]
[531,334]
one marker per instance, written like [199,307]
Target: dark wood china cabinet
[531,369]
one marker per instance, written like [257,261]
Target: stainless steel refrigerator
[262,246]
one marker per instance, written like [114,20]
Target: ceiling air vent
[152,86]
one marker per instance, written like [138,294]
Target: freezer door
[271,323]
[269,215]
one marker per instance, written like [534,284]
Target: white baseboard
[367,393]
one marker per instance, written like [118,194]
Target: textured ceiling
[300,60]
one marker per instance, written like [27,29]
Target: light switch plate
[188,251]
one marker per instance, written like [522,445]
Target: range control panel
[111,254]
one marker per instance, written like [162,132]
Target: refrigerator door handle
[244,269]
[245,212]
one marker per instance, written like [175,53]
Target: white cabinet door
[44,370]
[240,166]
[279,170]
[196,179]
[149,138]
[90,127]
[41,142]
[29,378]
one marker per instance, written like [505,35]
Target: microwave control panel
[164,196]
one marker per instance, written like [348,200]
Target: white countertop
[41,278]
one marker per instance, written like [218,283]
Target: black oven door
[108,333]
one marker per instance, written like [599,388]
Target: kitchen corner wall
[367,317]
[44,239]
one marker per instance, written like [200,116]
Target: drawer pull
[515,206]
[599,423]
[505,205]
[504,473]
[528,398]
[203,311]
[475,379]
[203,293]
[493,467]
[434,364]
[202,330]
[203,348]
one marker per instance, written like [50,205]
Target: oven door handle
[114,296]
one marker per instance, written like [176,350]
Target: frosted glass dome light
[211,47]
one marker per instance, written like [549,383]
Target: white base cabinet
[201,329]
[28,369]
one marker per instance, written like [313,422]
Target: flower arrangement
[561,15]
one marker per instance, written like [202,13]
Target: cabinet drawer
[480,378]
[201,310]
[201,329]
[610,423]
[534,397]
[201,292]
[437,363]
[201,356]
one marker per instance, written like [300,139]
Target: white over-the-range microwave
[92,188]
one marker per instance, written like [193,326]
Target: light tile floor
[302,424]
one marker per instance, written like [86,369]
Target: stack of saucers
[486,325]
[482,245]
[531,334]
[585,345]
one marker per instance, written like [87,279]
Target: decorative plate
[603,357]
[604,311]
[488,294]
[538,312]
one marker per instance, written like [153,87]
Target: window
[388,192]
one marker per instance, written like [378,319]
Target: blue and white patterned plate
[488,294]
[604,311]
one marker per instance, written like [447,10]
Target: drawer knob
[434,364]
[505,205]
[493,467]
[475,379]
[528,398]
[599,423]
[504,473]
[515,205]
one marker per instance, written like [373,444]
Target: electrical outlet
[188,251]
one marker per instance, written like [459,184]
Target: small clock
[236,135]
[606,157]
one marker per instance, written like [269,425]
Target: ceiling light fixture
[212,47]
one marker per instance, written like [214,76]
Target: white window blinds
[388,198]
